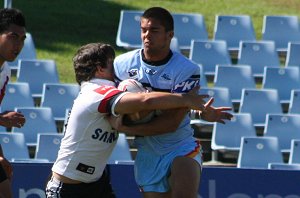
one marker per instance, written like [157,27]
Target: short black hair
[162,15]
[88,57]
[10,16]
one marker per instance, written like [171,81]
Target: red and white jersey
[5,74]
[89,139]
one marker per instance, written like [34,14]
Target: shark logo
[150,71]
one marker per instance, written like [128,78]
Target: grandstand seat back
[294,106]
[17,94]
[14,146]
[284,80]
[283,126]
[129,29]
[281,29]
[295,152]
[292,56]
[259,102]
[229,75]
[36,73]
[64,93]
[47,146]
[188,27]
[209,54]
[38,120]
[228,136]
[233,29]
[258,54]
[258,152]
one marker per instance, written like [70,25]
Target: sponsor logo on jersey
[150,71]
[105,136]
[166,77]
[133,73]
[186,86]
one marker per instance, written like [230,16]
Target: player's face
[155,38]
[11,42]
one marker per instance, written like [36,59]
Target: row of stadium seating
[253,152]
[231,28]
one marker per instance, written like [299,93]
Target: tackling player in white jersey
[79,170]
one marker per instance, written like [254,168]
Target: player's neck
[156,60]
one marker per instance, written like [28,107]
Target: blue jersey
[178,75]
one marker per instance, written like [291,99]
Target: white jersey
[89,139]
[178,75]
[5,74]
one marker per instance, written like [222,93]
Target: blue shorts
[152,170]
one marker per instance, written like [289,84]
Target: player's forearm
[168,122]
[131,103]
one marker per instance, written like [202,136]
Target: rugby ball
[131,85]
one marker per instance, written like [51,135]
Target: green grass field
[60,27]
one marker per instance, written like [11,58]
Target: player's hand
[12,119]
[216,114]
[7,167]
[196,101]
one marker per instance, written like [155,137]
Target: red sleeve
[109,93]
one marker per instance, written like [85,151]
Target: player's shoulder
[127,56]
[181,59]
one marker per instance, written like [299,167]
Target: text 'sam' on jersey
[89,139]
[178,75]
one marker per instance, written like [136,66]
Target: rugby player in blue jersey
[166,165]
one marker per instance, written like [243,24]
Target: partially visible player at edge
[12,36]
[79,170]
[167,165]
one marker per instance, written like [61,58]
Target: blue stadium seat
[14,146]
[47,146]
[226,138]
[129,29]
[36,73]
[284,80]
[235,78]
[283,126]
[17,94]
[28,52]
[260,102]
[295,152]
[281,29]
[209,54]
[38,120]
[258,152]
[294,106]
[64,93]
[121,151]
[258,54]
[233,29]
[188,27]
[292,56]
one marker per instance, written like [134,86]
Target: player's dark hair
[10,16]
[162,15]
[88,57]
